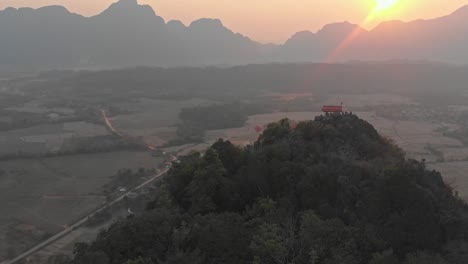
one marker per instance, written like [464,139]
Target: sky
[268,20]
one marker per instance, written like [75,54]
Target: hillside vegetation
[329,191]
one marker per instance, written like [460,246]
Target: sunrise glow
[386,4]
[273,21]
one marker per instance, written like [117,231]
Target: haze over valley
[128,34]
[127,139]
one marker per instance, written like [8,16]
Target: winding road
[111,127]
[109,124]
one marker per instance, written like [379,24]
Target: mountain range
[128,34]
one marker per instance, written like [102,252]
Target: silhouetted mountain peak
[8,9]
[53,8]
[339,28]
[12,11]
[50,9]
[176,27]
[462,11]
[127,2]
[302,36]
[176,24]
[207,23]
[130,34]
[208,27]
[127,12]
[54,11]
[389,25]
[129,7]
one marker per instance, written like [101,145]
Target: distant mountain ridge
[128,34]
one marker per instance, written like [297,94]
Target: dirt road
[109,124]
[114,131]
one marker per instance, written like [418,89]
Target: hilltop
[326,191]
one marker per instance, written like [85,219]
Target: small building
[332,109]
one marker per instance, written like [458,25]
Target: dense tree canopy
[196,120]
[329,191]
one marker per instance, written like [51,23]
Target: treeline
[196,120]
[89,145]
[423,82]
[330,191]
[128,179]
[461,133]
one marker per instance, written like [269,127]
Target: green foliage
[456,252]
[384,258]
[424,258]
[329,241]
[140,260]
[217,116]
[222,238]
[330,191]
[268,245]
[196,120]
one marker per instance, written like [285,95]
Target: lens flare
[386,4]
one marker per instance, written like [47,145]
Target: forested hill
[329,191]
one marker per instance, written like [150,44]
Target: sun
[386,4]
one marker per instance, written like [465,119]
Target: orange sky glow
[269,20]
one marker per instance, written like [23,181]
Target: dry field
[47,194]
[154,136]
[46,138]
[37,108]
[151,113]
[359,100]
[154,120]
[290,96]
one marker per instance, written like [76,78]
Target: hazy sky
[267,20]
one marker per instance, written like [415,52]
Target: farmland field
[154,136]
[151,113]
[359,100]
[153,120]
[47,194]
[37,108]
[43,195]
[46,138]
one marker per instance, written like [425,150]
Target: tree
[330,191]
[384,258]
[424,258]
[267,245]
[204,190]
[221,238]
[329,241]
[140,260]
